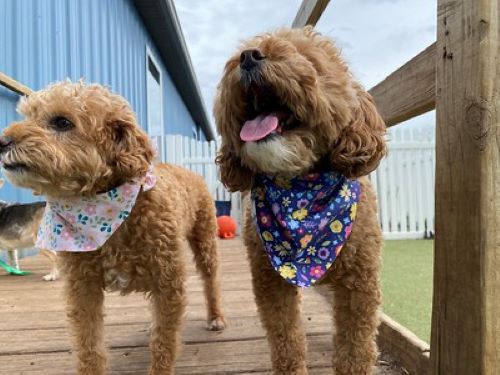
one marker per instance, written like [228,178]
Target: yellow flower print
[311,250]
[283,182]
[300,214]
[267,236]
[304,241]
[354,209]
[345,192]
[259,193]
[336,226]
[287,245]
[286,202]
[287,272]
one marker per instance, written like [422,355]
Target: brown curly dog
[327,122]
[78,140]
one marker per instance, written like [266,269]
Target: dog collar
[304,222]
[86,223]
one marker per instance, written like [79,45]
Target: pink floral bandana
[86,223]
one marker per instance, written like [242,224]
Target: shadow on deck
[35,336]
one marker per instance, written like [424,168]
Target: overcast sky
[376,36]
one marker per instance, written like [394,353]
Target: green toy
[12,270]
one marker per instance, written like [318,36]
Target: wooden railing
[309,13]
[459,75]
[13,85]
[410,90]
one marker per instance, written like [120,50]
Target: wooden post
[466,307]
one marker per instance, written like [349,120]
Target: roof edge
[161,21]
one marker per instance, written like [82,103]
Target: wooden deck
[35,339]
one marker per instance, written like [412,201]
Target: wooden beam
[409,91]
[309,12]
[466,305]
[13,85]
[406,93]
[404,346]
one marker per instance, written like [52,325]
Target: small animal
[18,229]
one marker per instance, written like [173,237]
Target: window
[154,103]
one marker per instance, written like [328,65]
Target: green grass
[407,284]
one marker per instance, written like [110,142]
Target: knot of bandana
[304,222]
[86,223]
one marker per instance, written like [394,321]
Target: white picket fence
[405,185]
[199,157]
[404,180]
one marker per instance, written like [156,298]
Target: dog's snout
[251,58]
[5,142]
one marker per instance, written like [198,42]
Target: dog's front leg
[356,322]
[85,299]
[54,272]
[357,298]
[168,304]
[14,260]
[279,308]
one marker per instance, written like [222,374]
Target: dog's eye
[61,123]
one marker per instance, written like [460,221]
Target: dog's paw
[217,324]
[51,277]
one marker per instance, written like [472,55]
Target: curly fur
[337,127]
[104,149]
[339,122]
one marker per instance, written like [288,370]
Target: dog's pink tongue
[259,128]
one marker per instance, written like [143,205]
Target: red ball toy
[226,227]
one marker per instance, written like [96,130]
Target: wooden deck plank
[137,334]
[247,355]
[223,358]
[32,317]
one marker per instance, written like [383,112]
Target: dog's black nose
[5,142]
[251,58]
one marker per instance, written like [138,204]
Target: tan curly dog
[79,140]
[327,122]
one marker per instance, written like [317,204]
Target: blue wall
[99,40]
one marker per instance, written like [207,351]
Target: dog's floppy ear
[233,174]
[133,152]
[360,146]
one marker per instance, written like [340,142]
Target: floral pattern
[86,223]
[304,222]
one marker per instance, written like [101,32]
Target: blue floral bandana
[304,222]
